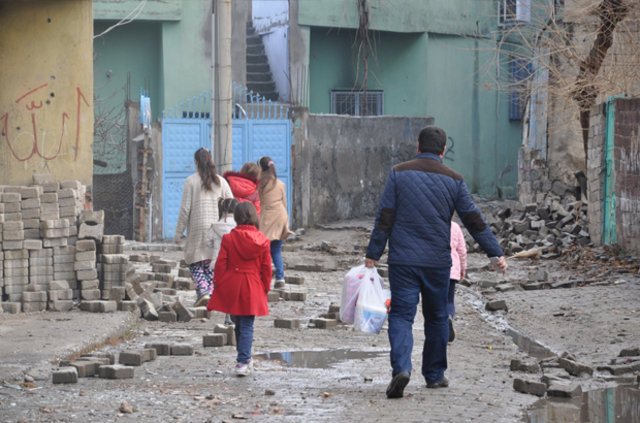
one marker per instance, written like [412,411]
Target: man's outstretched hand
[500,263]
[370,262]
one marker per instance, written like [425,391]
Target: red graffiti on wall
[31,106]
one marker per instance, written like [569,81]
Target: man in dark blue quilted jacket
[414,215]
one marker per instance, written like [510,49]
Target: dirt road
[318,375]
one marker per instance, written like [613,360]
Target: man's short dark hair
[432,139]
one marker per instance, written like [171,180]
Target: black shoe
[397,385]
[443,382]
[452,333]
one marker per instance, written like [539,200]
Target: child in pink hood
[458,269]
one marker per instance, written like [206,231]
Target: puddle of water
[620,404]
[319,359]
[528,345]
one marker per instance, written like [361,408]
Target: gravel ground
[321,383]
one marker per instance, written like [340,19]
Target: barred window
[353,103]
[512,11]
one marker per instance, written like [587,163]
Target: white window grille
[512,11]
[353,103]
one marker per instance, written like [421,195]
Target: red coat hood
[241,184]
[248,241]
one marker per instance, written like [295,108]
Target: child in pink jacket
[458,269]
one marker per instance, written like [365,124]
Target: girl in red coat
[242,278]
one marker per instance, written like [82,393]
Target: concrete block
[530,366]
[496,305]
[60,294]
[54,242]
[324,323]
[65,375]
[94,217]
[32,244]
[12,207]
[115,371]
[113,239]
[11,307]
[181,349]
[112,249]
[11,197]
[56,233]
[161,348]
[64,275]
[229,330]
[130,306]
[161,268]
[31,223]
[85,245]
[109,356]
[83,275]
[50,187]
[16,271]
[28,297]
[32,307]
[90,284]
[17,235]
[294,280]
[30,203]
[184,272]
[86,256]
[334,308]
[167,316]
[54,224]
[287,323]
[41,261]
[90,294]
[16,255]
[13,217]
[56,285]
[184,314]
[60,305]
[98,306]
[85,368]
[574,368]
[564,390]
[32,214]
[214,340]
[147,309]
[131,358]
[41,178]
[84,265]
[41,271]
[294,296]
[49,197]
[66,192]
[529,387]
[113,258]
[273,296]
[200,313]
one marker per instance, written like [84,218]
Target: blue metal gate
[260,128]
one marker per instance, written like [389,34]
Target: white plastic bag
[371,308]
[352,281]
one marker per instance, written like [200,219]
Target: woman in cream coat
[198,211]
[274,220]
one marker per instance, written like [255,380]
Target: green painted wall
[451,78]
[397,69]
[462,98]
[462,17]
[186,53]
[134,50]
[155,10]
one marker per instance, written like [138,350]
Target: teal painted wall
[132,49]
[397,69]
[463,100]
[186,53]
[451,78]
[154,10]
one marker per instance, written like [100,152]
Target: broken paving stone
[294,280]
[86,368]
[334,308]
[629,352]
[619,369]
[287,323]
[294,296]
[214,340]
[115,371]
[574,368]
[229,330]
[564,390]
[184,314]
[529,387]
[161,348]
[181,349]
[504,287]
[324,323]
[496,305]
[65,375]
[273,296]
[147,309]
[524,366]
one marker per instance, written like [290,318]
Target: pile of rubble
[546,228]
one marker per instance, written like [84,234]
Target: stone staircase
[259,78]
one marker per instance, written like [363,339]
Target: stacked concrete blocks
[16,273]
[86,270]
[60,296]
